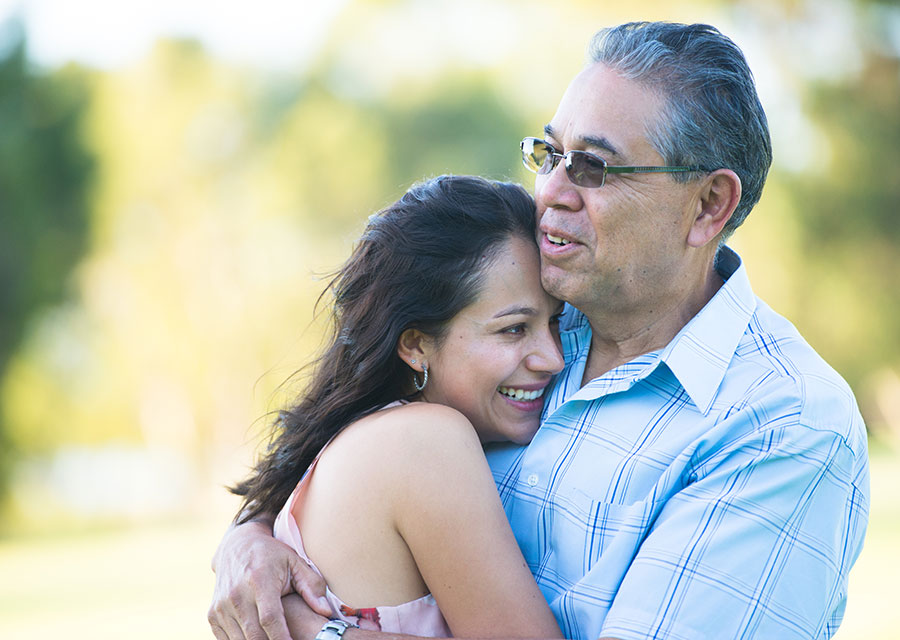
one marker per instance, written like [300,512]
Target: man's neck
[619,337]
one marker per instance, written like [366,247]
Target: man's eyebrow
[596,142]
[600,143]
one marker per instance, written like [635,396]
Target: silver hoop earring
[419,387]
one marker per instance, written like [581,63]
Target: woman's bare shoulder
[415,421]
[408,438]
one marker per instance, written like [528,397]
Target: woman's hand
[304,623]
[253,571]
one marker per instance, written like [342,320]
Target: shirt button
[532,480]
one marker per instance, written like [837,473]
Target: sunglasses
[583,169]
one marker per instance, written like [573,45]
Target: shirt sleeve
[758,543]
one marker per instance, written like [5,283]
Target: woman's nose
[546,356]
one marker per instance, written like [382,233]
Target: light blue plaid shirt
[717,488]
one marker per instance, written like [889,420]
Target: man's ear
[719,197]
[414,348]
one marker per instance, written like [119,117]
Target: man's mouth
[556,240]
[521,394]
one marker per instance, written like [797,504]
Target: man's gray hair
[712,116]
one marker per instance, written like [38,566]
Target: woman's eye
[514,330]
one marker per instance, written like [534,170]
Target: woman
[440,325]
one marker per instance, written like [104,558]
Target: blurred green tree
[849,213]
[346,156]
[461,125]
[44,177]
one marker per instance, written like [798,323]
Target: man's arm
[253,571]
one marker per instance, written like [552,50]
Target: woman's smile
[500,353]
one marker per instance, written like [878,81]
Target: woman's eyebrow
[515,311]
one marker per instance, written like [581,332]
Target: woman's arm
[449,514]
[443,503]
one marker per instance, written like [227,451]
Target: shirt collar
[701,352]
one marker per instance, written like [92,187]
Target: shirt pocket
[591,541]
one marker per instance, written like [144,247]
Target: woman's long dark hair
[418,263]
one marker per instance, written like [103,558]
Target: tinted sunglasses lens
[585,169]
[535,155]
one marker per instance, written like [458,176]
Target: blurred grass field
[155,581]
[152,582]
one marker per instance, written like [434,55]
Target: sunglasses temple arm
[615,169]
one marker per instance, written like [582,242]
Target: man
[700,471]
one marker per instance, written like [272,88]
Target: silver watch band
[333,630]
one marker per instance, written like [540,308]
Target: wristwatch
[333,630]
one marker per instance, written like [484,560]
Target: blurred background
[177,176]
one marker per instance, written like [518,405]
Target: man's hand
[253,571]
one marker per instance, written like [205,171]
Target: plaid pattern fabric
[717,488]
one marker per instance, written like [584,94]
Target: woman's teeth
[521,394]
[557,240]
